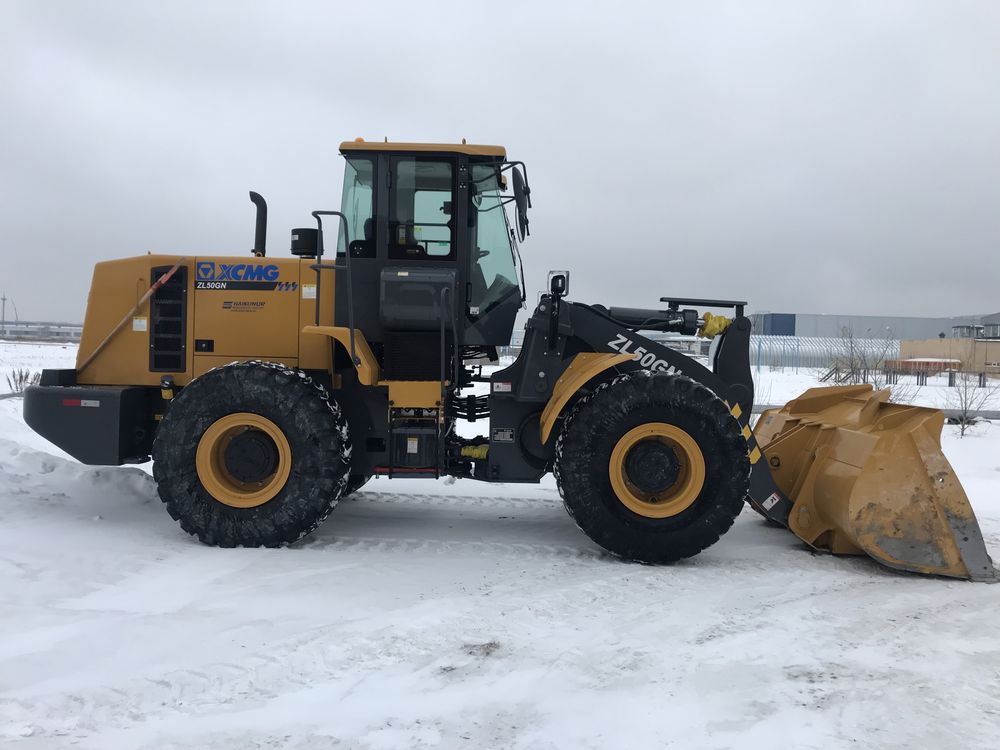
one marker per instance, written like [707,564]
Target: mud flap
[856,474]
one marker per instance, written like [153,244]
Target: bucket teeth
[867,476]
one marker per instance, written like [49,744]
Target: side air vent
[168,322]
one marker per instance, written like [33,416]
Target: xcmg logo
[209,271]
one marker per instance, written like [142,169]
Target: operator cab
[422,218]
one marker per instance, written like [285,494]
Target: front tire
[652,467]
[252,454]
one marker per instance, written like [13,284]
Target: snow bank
[435,615]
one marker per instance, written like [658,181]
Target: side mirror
[558,283]
[522,201]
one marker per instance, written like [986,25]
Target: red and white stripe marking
[81,402]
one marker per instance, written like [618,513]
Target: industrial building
[991,326]
[27,330]
[972,348]
[970,343]
[811,325]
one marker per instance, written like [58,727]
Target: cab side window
[421,222]
[358,206]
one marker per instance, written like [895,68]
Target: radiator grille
[415,355]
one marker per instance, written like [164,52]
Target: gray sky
[808,156]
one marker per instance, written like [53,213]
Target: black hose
[653,327]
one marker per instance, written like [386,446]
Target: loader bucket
[868,477]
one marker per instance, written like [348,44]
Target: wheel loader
[266,389]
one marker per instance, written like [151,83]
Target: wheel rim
[681,478]
[243,460]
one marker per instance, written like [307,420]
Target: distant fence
[814,352]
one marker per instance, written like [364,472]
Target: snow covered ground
[428,615]
[33,357]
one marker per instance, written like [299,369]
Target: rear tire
[692,471]
[252,454]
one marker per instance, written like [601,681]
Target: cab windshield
[494,276]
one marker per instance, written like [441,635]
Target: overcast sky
[839,157]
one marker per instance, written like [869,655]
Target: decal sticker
[646,359]
[308,291]
[502,435]
[93,403]
[242,305]
[247,276]
[140,323]
[771,501]
[502,387]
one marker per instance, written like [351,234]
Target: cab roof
[469,149]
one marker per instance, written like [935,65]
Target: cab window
[421,224]
[494,277]
[358,206]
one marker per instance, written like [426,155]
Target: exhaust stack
[260,233]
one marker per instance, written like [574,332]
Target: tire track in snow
[520,550]
[292,664]
[325,655]
[469,501]
[526,522]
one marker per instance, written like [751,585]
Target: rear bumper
[97,425]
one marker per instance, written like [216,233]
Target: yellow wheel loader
[266,389]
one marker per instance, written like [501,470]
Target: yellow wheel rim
[216,477]
[669,501]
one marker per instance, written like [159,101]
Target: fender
[582,368]
[368,370]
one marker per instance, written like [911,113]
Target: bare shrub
[967,397]
[859,361]
[20,379]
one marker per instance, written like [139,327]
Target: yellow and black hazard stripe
[737,411]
